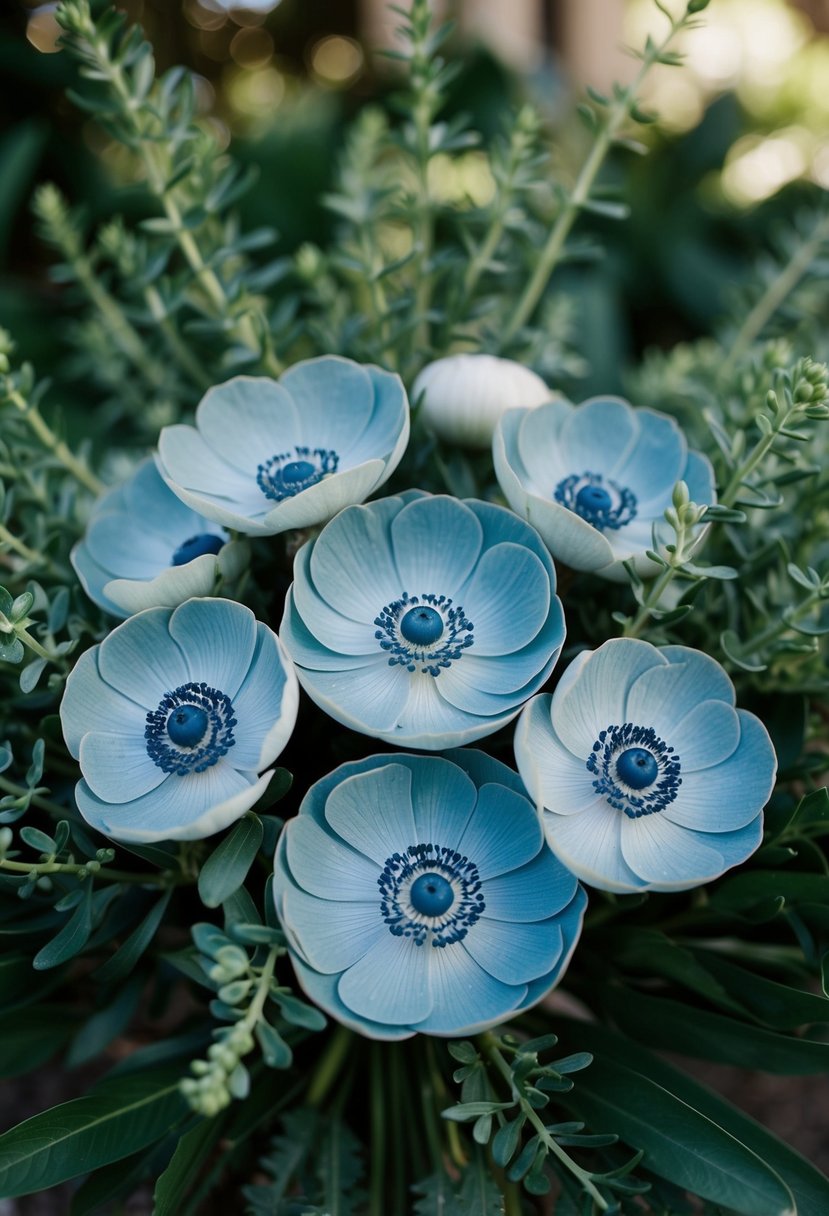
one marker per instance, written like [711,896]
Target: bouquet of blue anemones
[400,754]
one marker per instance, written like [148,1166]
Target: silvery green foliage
[107,943]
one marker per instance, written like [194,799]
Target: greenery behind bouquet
[132,953]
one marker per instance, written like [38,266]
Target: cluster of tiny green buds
[14,624]
[811,387]
[222,1076]
[683,513]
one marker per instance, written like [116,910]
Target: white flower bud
[465,395]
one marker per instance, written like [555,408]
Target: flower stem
[489,1046]
[378,1134]
[330,1066]
[164,879]
[178,349]
[618,112]
[56,446]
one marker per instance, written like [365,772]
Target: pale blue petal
[196,578]
[507,599]
[248,420]
[324,865]
[89,703]
[121,547]
[334,401]
[599,435]
[663,696]
[371,699]
[93,579]
[265,706]
[597,698]
[570,922]
[515,952]
[117,768]
[555,778]
[334,934]
[705,679]
[504,527]
[536,441]
[186,462]
[483,768]
[655,464]
[429,722]
[322,990]
[590,845]
[728,795]
[443,798]
[181,808]
[464,995]
[707,735]
[142,660]
[504,832]
[154,507]
[667,856]
[357,541]
[373,812]
[436,545]
[390,983]
[337,632]
[536,891]
[218,637]
[324,500]
[307,651]
[389,430]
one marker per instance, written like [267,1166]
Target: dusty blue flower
[648,777]
[418,894]
[594,479]
[144,548]
[424,621]
[268,455]
[172,718]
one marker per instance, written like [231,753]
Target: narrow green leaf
[71,939]
[119,1119]
[227,867]
[182,1173]
[129,952]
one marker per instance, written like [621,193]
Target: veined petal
[536,891]
[507,599]
[370,698]
[555,778]
[512,952]
[443,799]
[668,856]
[337,632]
[93,577]
[218,637]
[187,462]
[194,579]
[503,834]
[112,542]
[598,697]
[705,679]
[308,651]
[266,705]
[334,934]
[436,543]
[247,420]
[373,812]
[390,983]
[709,734]
[322,990]
[590,845]
[657,461]
[324,500]
[117,768]
[334,400]
[90,704]
[356,541]
[537,442]
[599,435]
[464,994]
[324,865]
[142,660]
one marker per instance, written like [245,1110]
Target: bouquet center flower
[635,770]
[289,473]
[191,729]
[430,893]
[601,502]
[196,546]
[427,629]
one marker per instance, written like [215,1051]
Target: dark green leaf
[186,1164]
[778,1005]
[119,1119]
[129,952]
[71,939]
[227,867]
[29,1039]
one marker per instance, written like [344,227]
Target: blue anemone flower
[422,620]
[417,894]
[268,455]
[595,479]
[144,548]
[647,776]
[172,718]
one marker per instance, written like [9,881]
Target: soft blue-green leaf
[130,951]
[72,937]
[119,1119]
[227,867]
[183,1172]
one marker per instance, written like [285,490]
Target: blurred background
[743,137]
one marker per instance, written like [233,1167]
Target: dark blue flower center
[599,501]
[635,770]
[191,729]
[637,767]
[430,893]
[289,473]
[196,546]
[426,631]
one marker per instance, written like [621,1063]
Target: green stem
[180,352]
[330,1066]
[43,804]
[378,1134]
[425,235]
[618,113]
[263,985]
[489,1046]
[776,293]
[56,446]
[780,626]
[165,879]
[21,549]
[658,586]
